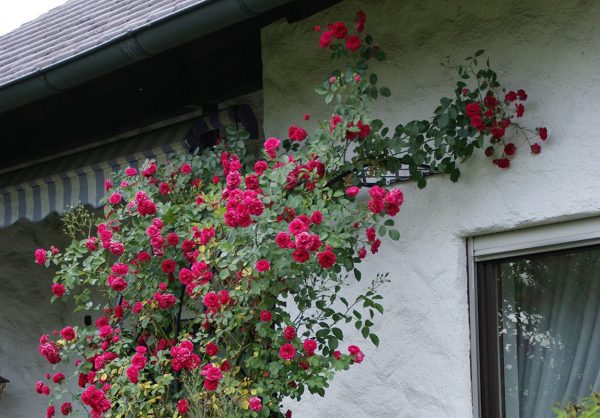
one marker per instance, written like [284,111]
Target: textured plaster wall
[25,314]
[551,49]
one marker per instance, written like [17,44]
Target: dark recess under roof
[201,73]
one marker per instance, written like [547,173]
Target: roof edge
[175,29]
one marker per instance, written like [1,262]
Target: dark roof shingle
[74,28]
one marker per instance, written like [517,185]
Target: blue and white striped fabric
[60,184]
[55,186]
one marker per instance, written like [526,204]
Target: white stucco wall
[25,314]
[552,50]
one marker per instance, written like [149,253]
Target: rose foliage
[255,251]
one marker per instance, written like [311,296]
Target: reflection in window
[549,330]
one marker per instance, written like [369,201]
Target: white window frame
[531,240]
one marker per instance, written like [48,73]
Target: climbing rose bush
[219,280]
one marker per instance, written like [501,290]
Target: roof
[74,28]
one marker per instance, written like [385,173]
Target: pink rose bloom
[271,146]
[130,171]
[287,351]
[40,256]
[260,167]
[133,374]
[309,346]
[58,290]
[352,191]
[255,404]
[115,198]
[289,333]
[68,333]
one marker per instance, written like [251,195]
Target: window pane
[549,330]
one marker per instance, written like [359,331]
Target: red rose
[353,42]
[520,110]
[58,377]
[317,217]
[339,30]
[40,256]
[326,259]
[263,265]
[289,333]
[360,20]
[476,122]
[133,374]
[490,101]
[255,404]
[260,167]
[521,95]
[58,290]
[115,198]
[536,149]
[300,256]
[68,333]
[510,149]
[309,346]
[183,406]
[511,96]
[282,240]
[543,133]
[472,109]
[352,191]
[325,39]
[287,351]
[66,408]
[168,266]
[489,151]
[497,132]
[296,133]
[503,163]
[266,316]
[212,349]
[224,297]
[271,146]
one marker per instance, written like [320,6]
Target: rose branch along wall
[549,48]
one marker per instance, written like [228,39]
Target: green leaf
[373,78]
[375,339]
[443,121]
[385,92]
[479,52]
[394,234]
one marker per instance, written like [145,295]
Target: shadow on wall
[26,313]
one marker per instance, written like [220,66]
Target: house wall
[26,314]
[552,50]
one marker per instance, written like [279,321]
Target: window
[535,318]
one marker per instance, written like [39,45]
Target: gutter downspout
[178,28]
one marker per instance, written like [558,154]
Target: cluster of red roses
[308,173]
[492,116]
[303,242]
[199,273]
[339,30]
[95,399]
[138,362]
[183,357]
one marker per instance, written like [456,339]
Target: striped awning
[68,181]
